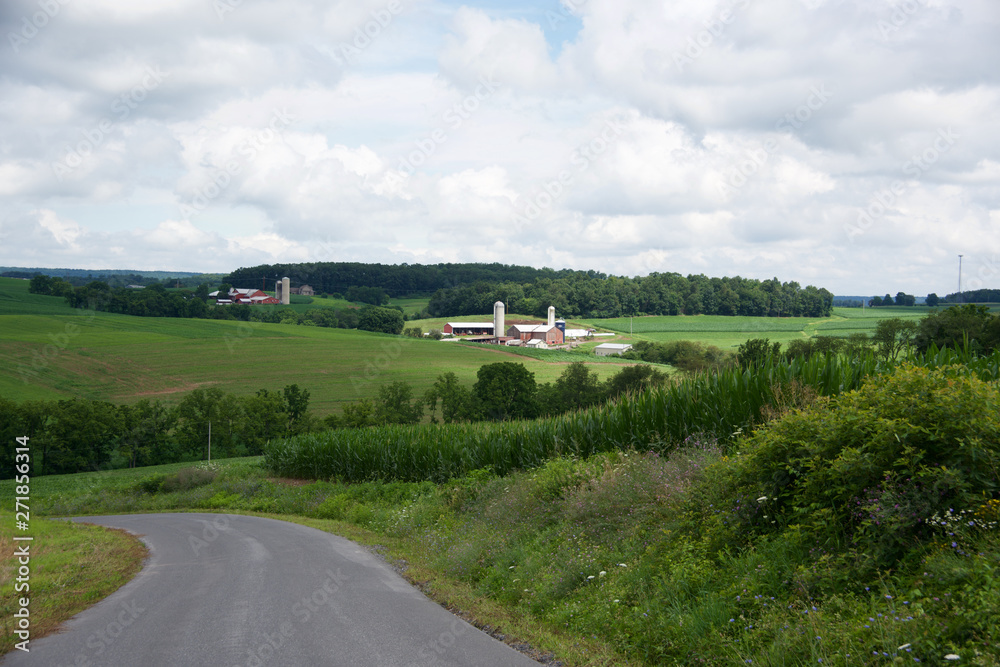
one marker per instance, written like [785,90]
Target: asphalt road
[228,590]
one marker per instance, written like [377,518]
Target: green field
[730,332]
[51,351]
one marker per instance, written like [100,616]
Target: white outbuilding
[609,349]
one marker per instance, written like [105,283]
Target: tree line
[396,279]
[502,391]
[589,296]
[156,301]
[78,435]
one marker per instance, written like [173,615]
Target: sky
[848,144]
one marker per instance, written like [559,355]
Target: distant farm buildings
[249,297]
[534,335]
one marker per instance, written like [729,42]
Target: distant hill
[115,277]
[27,272]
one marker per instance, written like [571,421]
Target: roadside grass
[72,567]
[625,557]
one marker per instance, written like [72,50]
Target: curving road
[242,591]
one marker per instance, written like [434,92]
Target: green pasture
[51,351]
[411,306]
[730,332]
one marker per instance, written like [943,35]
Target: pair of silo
[283,290]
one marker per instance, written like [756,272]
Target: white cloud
[748,141]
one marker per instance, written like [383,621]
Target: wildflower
[622,565]
[904,646]
[590,577]
[952,656]
[602,573]
[762,499]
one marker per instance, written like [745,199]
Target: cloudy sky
[850,144]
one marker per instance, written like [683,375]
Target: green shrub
[873,466]
[334,507]
[188,478]
[150,484]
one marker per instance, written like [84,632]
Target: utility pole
[209,442]
[961,298]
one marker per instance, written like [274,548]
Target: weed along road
[242,591]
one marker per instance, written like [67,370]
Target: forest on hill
[396,279]
[472,289]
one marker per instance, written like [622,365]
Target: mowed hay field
[51,351]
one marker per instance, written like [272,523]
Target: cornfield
[718,404]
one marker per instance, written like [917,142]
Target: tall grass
[719,404]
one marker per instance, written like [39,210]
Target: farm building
[608,349]
[469,328]
[543,332]
[250,297]
[551,333]
[305,290]
[579,333]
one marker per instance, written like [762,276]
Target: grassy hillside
[49,351]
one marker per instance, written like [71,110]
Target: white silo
[286,291]
[552,316]
[498,317]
